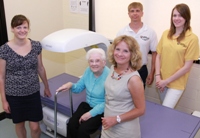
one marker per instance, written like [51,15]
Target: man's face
[135,14]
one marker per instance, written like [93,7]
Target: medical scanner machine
[59,108]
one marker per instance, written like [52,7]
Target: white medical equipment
[63,41]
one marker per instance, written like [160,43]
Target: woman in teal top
[87,118]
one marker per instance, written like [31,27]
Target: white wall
[112,15]
[46,16]
[74,20]
[158,13]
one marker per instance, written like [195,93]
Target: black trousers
[143,71]
[83,130]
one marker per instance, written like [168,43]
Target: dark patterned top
[21,77]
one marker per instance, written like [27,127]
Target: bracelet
[157,75]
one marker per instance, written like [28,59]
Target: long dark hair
[184,11]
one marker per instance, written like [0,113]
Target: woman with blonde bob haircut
[124,95]
[136,57]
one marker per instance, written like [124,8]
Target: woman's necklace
[119,76]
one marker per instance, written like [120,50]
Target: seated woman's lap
[89,126]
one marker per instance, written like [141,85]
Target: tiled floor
[7,130]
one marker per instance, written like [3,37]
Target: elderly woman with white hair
[87,118]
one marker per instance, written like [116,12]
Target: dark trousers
[143,74]
[83,130]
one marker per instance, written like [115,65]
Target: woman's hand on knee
[85,117]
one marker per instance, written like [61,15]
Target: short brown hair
[19,20]
[135,5]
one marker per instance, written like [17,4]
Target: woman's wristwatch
[118,119]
